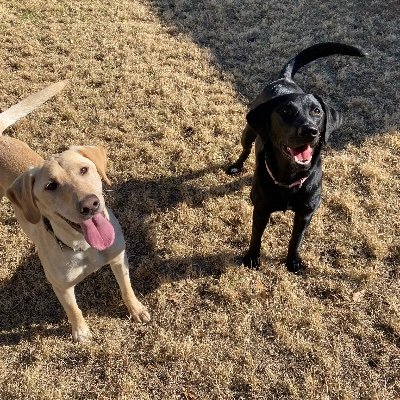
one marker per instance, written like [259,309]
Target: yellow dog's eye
[84,170]
[52,185]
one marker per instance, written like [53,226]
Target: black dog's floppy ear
[262,107]
[333,119]
[257,117]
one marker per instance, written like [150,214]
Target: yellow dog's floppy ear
[96,154]
[21,194]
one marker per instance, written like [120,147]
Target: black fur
[289,128]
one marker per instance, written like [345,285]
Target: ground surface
[165,85]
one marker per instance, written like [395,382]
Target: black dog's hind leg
[300,225]
[252,257]
[248,138]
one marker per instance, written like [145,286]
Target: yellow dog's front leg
[120,268]
[80,329]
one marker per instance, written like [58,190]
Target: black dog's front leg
[300,225]
[252,257]
[248,138]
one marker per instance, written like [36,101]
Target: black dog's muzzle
[308,132]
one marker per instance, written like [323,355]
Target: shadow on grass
[28,306]
[26,301]
[250,40]
[149,197]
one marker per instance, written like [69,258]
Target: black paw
[234,169]
[295,265]
[252,262]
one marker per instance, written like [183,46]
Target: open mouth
[74,225]
[301,155]
[97,231]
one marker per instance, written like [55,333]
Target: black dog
[290,128]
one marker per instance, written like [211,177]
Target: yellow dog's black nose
[89,205]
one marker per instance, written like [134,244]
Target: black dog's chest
[270,197]
[282,199]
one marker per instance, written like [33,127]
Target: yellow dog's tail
[27,105]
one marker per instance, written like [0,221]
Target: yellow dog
[59,205]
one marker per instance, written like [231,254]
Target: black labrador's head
[294,124]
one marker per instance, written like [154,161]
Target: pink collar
[298,183]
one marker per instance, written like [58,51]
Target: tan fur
[16,156]
[97,154]
[24,176]
[21,195]
[28,104]
[67,266]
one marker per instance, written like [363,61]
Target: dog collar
[298,183]
[49,229]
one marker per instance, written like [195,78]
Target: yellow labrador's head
[68,185]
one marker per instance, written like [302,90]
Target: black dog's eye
[52,185]
[316,111]
[84,170]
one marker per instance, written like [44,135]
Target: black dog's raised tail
[317,51]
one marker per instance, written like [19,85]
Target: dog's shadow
[136,202]
[28,305]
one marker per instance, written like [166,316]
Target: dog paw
[295,265]
[234,169]
[252,262]
[81,334]
[140,313]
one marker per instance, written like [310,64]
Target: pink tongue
[98,232]
[302,153]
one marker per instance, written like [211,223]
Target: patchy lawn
[164,85]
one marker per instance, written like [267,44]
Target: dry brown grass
[164,85]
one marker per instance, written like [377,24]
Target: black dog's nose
[308,131]
[89,205]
